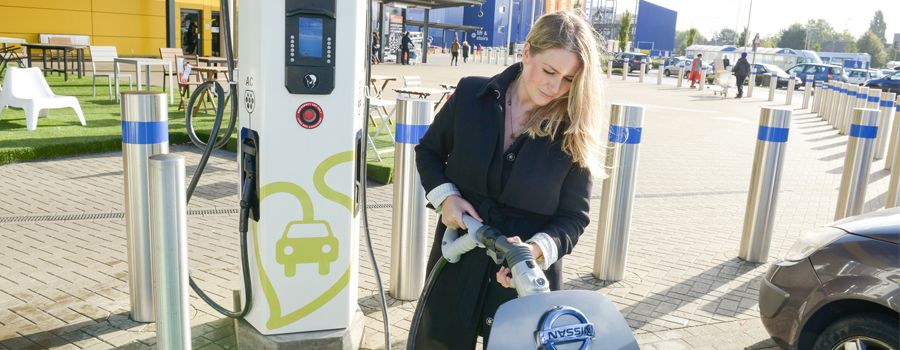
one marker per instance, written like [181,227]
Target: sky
[768,17]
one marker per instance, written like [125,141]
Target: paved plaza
[63,271]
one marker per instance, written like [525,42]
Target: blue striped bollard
[807,91]
[625,129]
[888,108]
[409,247]
[846,117]
[145,132]
[857,162]
[893,160]
[771,141]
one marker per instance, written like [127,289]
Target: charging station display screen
[310,37]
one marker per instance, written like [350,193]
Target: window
[795,69]
[811,69]
[837,70]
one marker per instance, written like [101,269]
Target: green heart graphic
[276,319]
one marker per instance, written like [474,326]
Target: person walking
[696,70]
[741,71]
[465,50]
[517,151]
[405,44]
[726,62]
[454,52]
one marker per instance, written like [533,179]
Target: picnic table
[65,48]
[374,79]
[138,64]
[425,92]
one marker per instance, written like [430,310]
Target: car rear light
[829,75]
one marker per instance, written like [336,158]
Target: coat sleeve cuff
[548,246]
[437,195]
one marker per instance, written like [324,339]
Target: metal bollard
[680,77]
[409,244]
[626,123]
[848,101]
[862,93]
[773,84]
[837,105]
[750,84]
[857,162]
[884,123]
[145,132]
[771,141]
[609,68]
[659,75]
[887,105]
[816,100]
[790,89]
[807,91]
[641,75]
[626,66]
[168,227]
[702,81]
[893,193]
[828,90]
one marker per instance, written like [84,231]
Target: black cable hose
[208,147]
[423,299]
[363,167]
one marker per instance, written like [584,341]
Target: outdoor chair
[26,88]
[172,54]
[105,54]
[58,56]
[379,108]
[9,54]
[411,81]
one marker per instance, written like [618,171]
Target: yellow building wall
[134,27]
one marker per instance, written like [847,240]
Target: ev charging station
[302,71]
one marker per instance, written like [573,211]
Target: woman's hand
[453,209]
[504,275]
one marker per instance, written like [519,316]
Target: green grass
[61,135]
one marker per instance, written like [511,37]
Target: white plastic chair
[105,54]
[410,81]
[26,88]
[379,107]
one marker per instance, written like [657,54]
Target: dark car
[838,287]
[889,83]
[634,61]
[764,74]
[820,72]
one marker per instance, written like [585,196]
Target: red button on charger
[309,115]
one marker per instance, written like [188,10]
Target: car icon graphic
[306,242]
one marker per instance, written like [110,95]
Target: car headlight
[809,242]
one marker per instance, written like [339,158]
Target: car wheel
[666,73]
[864,331]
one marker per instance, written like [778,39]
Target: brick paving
[63,272]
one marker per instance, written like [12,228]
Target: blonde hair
[579,110]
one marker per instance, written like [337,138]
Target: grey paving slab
[63,268]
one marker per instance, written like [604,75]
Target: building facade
[134,27]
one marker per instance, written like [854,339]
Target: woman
[515,151]
[696,70]
[454,52]
[465,51]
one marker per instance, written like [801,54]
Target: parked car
[671,65]
[861,76]
[634,61]
[838,287]
[820,72]
[887,83]
[763,75]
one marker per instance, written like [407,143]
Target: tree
[820,34]
[843,42]
[870,44]
[624,31]
[724,36]
[742,40]
[793,37]
[877,25]
[691,37]
[769,41]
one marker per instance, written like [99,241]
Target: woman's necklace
[509,116]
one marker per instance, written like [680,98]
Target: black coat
[544,190]
[742,68]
